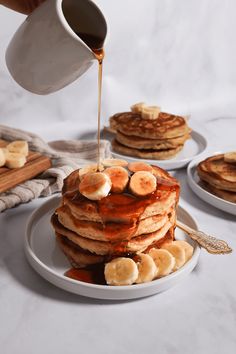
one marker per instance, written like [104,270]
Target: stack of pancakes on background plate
[120,224]
[218,175]
[147,133]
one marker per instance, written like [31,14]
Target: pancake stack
[120,211]
[218,175]
[147,133]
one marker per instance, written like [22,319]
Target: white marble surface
[180,55]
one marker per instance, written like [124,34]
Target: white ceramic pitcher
[45,54]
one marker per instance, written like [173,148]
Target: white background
[181,55]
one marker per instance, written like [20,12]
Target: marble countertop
[198,315]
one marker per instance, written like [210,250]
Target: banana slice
[19,146]
[137,107]
[95,186]
[15,160]
[121,271]
[230,157]
[147,269]
[142,183]
[139,166]
[178,252]
[119,178]
[150,112]
[164,261]
[89,169]
[2,158]
[188,249]
[114,162]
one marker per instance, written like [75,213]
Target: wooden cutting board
[35,164]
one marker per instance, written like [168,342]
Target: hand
[23,6]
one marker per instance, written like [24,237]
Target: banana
[15,160]
[147,269]
[139,166]
[178,252]
[164,261]
[150,112]
[2,157]
[188,249]
[19,146]
[230,157]
[114,162]
[95,186]
[142,183]
[121,271]
[137,107]
[89,169]
[119,178]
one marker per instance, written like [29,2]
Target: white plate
[195,185]
[192,149]
[47,259]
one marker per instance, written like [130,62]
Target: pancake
[109,231]
[155,144]
[121,208]
[218,173]
[134,245]
[226,195]
[166,126]
[147,153]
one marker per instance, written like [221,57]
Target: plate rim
[195,187]
[169,163]
[35,261]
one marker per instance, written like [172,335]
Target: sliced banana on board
[142,183]
[178,252]
[2,157]
[119,178]
[139,166]
[138,107]
[147,269]
[15,160]
[164,261]
[19,146]
[150,112]
[95,186]
[121,271]
[114,162]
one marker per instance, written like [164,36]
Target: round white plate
[192,149]
[47,259]
[195,184]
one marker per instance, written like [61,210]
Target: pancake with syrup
[92,231]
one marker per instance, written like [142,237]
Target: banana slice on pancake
[139,166]
[2,158]
[114,162]
[121,271]
[164,261]
[142,183]
[147,269]
[119,178]
[177,252]
[89,169]
[19,146]
[95,186]
[15,160]
[230,157]
[150,112]
[138,107]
